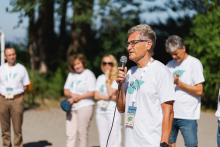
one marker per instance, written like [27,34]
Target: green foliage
[204,43]
[50,86]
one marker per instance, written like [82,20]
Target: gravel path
[46,128]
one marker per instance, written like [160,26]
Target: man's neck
[143,61]
[11,64]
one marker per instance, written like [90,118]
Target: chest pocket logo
[73,83]
[179,72]
[10,76]
[135,85]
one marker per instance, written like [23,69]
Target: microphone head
[123,59]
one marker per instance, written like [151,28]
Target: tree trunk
[45,33]
[63,19]
[80,30]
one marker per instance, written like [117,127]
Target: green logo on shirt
[133,86]
[10,76]
[73,83]
[102,88]
[179,72]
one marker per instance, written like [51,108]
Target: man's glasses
[133,42]
[109,63]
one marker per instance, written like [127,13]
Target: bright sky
[8,21]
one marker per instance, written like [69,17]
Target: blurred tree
[204,43]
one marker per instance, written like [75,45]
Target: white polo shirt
[19,80]
[155,88]
[187,106]
[85,82]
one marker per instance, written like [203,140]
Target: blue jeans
[218,134]
[188,128]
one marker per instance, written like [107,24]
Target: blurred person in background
[188,78]
[80,88]
[217,114]
[14,80]
[106,88]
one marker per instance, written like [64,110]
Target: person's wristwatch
[164,144]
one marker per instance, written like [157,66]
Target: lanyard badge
[132,109]
[130,116]
[104,104]
[9,91]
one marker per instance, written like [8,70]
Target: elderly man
[146,94]
[188,78]
[13,82]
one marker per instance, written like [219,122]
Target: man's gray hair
[146,34]
[173,43]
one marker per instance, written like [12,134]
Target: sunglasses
[109,63]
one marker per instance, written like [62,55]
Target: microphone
[123,61]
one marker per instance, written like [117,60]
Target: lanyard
[8,76]
[142,74]
[76,81]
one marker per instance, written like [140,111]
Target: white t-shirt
[101,88]
[217,113]
[155,88]
[85,83]
[19,80]
[190,71]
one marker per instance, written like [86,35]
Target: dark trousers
[11,110]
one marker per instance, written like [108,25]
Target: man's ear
[184,48]
[5,56]
[148,45]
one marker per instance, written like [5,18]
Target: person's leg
[71,128]
[174,133]
[115,137]
[188,129]
[103,129]
[5,121]
[218,134]
[17,111]
[84,116]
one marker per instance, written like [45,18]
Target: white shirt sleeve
[68,82]
[114,85]
[165,89]
[197,73]
[26,80]
[97,86]
[91,82]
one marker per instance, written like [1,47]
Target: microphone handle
[123,66]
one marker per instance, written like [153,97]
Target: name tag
[130,116]
[9,93]
[104,104]
[75,104]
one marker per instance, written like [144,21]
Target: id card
[104,104]
[130,116]
[9,93]
[75,104]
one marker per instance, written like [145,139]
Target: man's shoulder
[159,67]
[20,66]
[170,63]
[194,60]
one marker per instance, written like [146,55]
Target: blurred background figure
[79,87]
[188,79]
[14,80]
[217,114]
[106,87]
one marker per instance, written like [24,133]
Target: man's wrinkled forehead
[9,49]
[134,36]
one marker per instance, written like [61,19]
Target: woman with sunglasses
[79,87]
[106,88]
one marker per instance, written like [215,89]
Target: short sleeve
[26,80]
[165,88]
[98,84]
[91,80]
[68,82]
[114,85]
[197,73]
